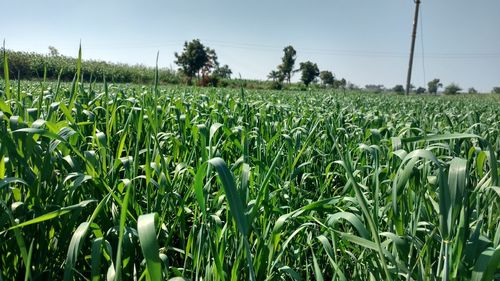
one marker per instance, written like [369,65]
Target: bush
[377,89]
[452,89]
[496,90]
[275,85]
[210,80]
[420,90]
[399,89]
[472,91]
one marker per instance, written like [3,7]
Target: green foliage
[327,78]
[452,89]
[195,58]
[276,85]
[310,72]
[288,61]
[223,72]
[5,69]
[433,86]
[146,229]
[399,89]
[496,90]
[342,83]
[377,89]
[275,76]
[420,90]
[123,182]
[53,51]
[33,66]
[472,91]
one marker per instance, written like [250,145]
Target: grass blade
[146,228]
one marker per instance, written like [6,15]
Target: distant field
[122,182]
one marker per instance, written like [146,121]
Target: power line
[305,50]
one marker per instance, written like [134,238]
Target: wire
[312,51]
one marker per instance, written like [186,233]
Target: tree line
[200,62]
[435,84]
[197,65]
[309,72]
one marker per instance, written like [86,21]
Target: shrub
[420,90]
[452,89]
[399,89]
[472,91]
[275,85]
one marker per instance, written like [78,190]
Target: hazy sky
[365,41]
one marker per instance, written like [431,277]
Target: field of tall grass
[119,182]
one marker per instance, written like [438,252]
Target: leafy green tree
[352,86]
[375,88]
[472,91]
[194,57]
[223,72]
[53,51]
[433,86]
[496,90]
[212,63]
[399,89]
[275,75]
[327,78]
[342,83]
[277,79]
[452,89]
[309,72]
[288,61]
[420,90]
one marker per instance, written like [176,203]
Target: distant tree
[277,79]
[309,72]
[275,75]
[375,88]
[352,86]
[288,61]
[399,89]
[472,91]
[496,90]
[342,83]
[327,78]
[452,89]
[433,86]
[420,90]
[53,51]
[212,63]
[223,72]
[276,85]
[194,57]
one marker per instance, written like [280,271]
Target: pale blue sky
[365,41]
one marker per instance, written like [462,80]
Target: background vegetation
[198,65]
[31,66]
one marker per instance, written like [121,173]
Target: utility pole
[412,50]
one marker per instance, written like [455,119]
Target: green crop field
[124,182]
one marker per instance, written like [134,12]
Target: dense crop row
[141,182]
[37,66]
